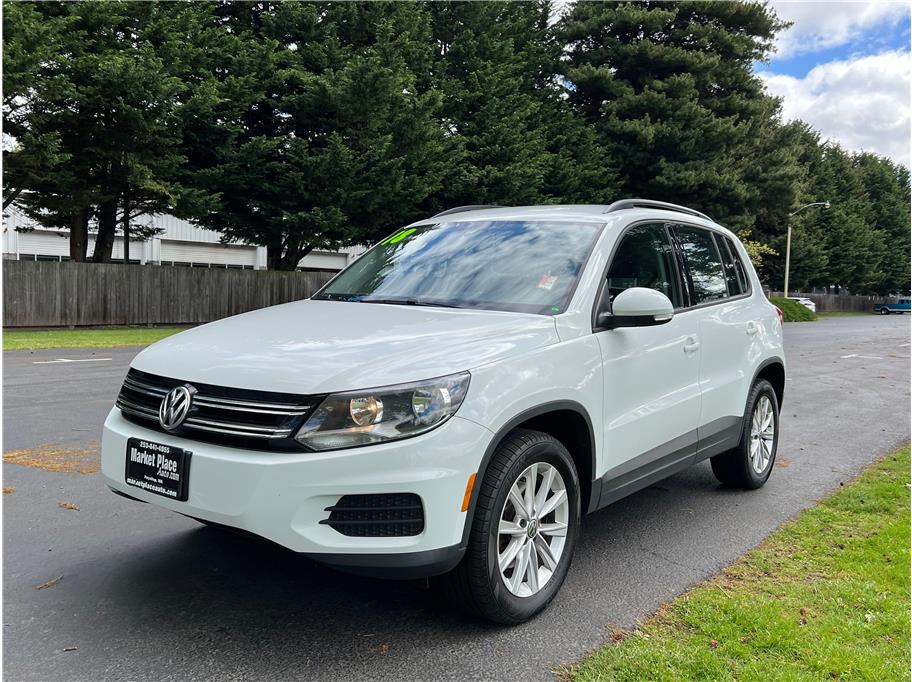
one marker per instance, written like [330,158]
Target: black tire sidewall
[761,388]
[522,608]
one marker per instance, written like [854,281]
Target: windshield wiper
[406,301]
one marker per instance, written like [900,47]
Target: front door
[651,374]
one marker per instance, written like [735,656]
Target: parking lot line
[51,362]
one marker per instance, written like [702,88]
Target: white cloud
[861,103]
[821,25]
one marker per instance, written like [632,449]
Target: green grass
[826,597]
[102,337]
[793,311]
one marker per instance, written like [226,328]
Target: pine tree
[887,189]
[106,99]
[671,90]
[324,136]
[517,140]
[31,50]
[855,249]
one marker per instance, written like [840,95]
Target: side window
[704,264]
[739,265]
[645,258]
[731,263]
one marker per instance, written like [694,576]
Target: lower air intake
[386,515]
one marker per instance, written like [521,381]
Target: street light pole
[788,256]
[788,242]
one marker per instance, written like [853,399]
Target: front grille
[261,420]
[375,516]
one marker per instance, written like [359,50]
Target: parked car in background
[806,302]
[901,306]
[456,400]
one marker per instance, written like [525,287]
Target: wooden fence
[53,294]
[828,303]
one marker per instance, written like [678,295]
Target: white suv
[459,397]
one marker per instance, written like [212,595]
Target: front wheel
[750,463]
[523,533]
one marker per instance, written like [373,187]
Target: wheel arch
[773,370]
[567,421]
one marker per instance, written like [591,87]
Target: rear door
[729,328]
[651,374]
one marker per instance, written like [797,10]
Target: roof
[628,210]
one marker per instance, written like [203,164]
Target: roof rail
[460,209]
[650,203]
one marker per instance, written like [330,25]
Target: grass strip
[826,597]
[99,337]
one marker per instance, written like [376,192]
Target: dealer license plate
[160,469]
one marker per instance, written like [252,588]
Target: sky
[844,67]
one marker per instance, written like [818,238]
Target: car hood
[311,347]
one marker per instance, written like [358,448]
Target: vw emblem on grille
[175,407]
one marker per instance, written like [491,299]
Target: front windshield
[515,265]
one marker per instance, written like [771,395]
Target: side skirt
[719,436]
[668,459]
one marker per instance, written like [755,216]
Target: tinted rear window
[704,264]
[731,263]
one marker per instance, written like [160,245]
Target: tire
[884,311]
[477,584]
[737,467]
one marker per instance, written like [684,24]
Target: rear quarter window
[735,276]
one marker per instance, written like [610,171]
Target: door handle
[691,344]
[752,328]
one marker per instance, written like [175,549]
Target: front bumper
[283,496]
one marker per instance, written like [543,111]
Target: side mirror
[637,307]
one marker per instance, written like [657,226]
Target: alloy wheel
[762,434]
[533,529]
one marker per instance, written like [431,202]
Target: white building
[179,243]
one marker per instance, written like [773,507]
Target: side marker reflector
[468,493]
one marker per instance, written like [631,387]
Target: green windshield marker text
[399,236]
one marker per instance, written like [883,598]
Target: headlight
[345,420]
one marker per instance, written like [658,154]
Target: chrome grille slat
[223,403]
[234,427]
[133,408]
[227,404]
[234,432]
[231,418]
[144,388]
[130,381]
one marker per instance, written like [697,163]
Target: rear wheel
[524,531]
[750,463]
[884,311]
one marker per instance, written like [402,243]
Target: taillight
[779,313]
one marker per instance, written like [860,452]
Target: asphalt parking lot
[147,594]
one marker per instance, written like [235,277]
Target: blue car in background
[901,306]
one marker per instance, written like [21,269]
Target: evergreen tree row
[306,126]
